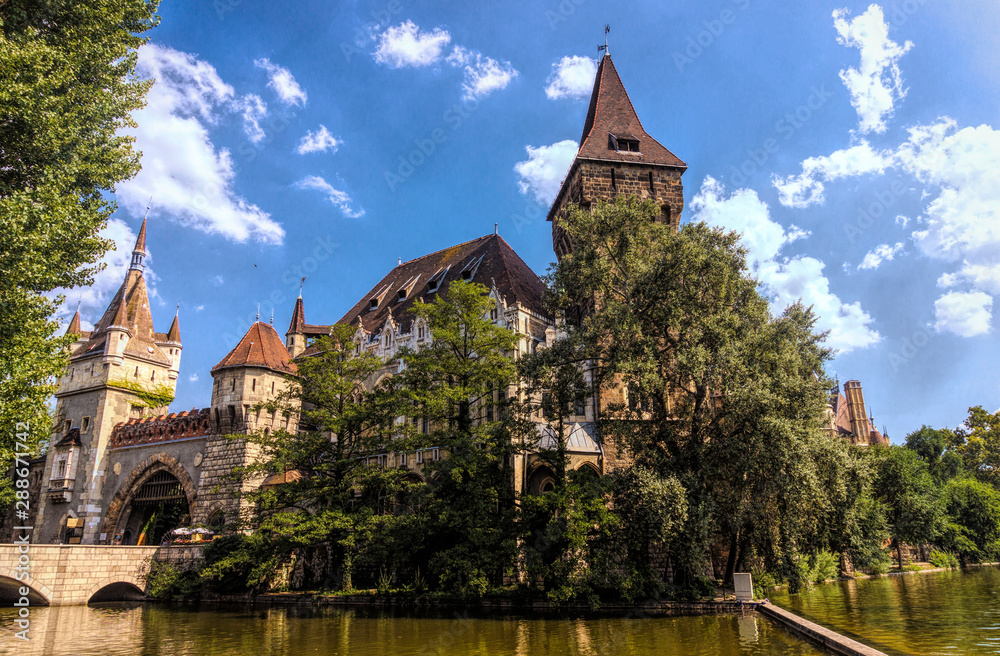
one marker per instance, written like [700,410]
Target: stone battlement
[165,428]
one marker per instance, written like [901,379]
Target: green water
[157,630]
[953,612]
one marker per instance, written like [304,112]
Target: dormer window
[373,303]
[467,275]
[401,295]
[435,281]
[623,143]
[469,270]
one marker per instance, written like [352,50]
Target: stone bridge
[62,575]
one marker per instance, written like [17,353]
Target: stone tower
[617,157]
[122,369]
[255,371]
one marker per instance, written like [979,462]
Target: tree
[68,89]
[937,447]
[912,501]
[469,517]
[337,496]
[715,391]
[979,445]
[973,509]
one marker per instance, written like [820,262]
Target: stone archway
[143,472]
[116,589]
[541,479]
[39,594]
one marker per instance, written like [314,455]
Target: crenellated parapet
[165,428]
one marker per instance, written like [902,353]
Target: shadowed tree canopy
[67,89]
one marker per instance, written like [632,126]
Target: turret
[295,338]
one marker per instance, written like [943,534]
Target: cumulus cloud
[572,77]
[282,82]
[483,75]
[253,109]
[543,172]
[193,378]
[879,254]
[805,189]
[189,180]
[785,280]
[317,142]
[876,84]
[405,45]
[93,300]
[965,314]
[339,198]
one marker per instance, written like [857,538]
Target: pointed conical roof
[174,334]
[74,325]
[140,241]
[611,112]
[260,347]
[298,318]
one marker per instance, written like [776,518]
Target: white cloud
[962,221]
[965,314]
[876,84]
[879,254]
[335,196]
[543,172]
[254,109]
[784,280]
[219,281]
[405,45]
[189,180]
[483,75]
[805,189]
[94,299]
[283,82]
[572,77]
[193,378]
[318,142]
[199,308]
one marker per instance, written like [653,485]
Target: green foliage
[973,529]
[764,584]
[731,396]
[912,501]
[944,559]
[979,445]
[68,91]
[825,566]
[158,396]
[166,582]
[937,447]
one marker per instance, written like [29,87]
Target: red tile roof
[611,112]
[260,347]
[128,308]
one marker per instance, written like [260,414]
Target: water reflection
[155,630]
[954,612]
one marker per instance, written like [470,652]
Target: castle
[116,457]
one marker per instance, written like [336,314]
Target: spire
[121,315]
[174,334]
[74,324]
[139,252]
[612,125]
[298,318]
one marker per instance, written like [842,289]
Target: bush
[943,559]
[165,582]
[825,566]
[763,584]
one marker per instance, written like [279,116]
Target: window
[272,387]
[60,469]
[137,372]
[401,295]
[71,375]
[614,182]
[467,275]
[373,303]
[493,314]
[152,375]
[253,384]
[402,459]
[85,426]
[233,387]
[420,332]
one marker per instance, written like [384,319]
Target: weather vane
[607,28]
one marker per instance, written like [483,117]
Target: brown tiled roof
[174,334]
[74,325]
[260,347]
[611,112]
[72,438]
[490,259]
[128,308]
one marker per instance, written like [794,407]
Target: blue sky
[852,144]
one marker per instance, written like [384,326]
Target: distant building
[848,419]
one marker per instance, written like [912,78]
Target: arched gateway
[156,497]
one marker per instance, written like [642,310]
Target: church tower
[617,158]
[122,369]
